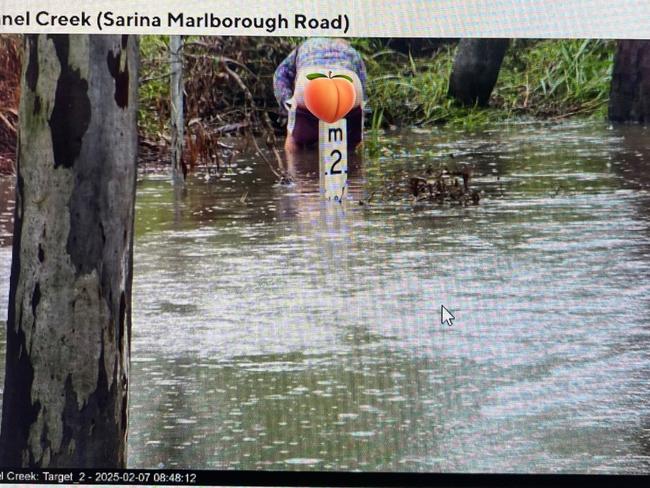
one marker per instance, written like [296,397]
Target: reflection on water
[276,331]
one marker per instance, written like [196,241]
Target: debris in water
[444,186]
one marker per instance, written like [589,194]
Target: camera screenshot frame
[321,251]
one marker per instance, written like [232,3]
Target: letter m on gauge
[333,155]
[334,134]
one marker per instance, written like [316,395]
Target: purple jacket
[325,52]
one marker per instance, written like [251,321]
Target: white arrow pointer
[446,317]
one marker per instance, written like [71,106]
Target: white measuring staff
[333,159]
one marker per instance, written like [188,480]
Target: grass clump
[545,79]
[556,78]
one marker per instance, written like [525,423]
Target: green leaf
[313,76]
[343,76]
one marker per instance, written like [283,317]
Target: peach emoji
[329,98]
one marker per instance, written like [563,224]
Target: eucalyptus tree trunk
[69,320]
[176,93]
[476,69]
[629,99]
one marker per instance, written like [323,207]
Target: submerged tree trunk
[629,99]
[176,92]
[69,323]
[476,69]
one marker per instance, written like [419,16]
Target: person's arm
[284,79]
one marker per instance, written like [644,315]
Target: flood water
[277,331]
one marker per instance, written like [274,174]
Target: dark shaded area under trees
[476,69]
[630,91]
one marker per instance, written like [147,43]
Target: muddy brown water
[280,332]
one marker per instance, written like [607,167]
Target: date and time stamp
[98,476]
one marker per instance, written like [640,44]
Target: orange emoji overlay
[329,98]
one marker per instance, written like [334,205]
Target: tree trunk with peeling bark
[476,70]
[69,320]
[629,99]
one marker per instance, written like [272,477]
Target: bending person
[325,56]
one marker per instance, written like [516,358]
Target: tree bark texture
[629,99]
[476,69]
[69,317]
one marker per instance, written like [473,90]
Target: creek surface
[277,331]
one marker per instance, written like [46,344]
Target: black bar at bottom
[183,477]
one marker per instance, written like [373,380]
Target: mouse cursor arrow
[446,317]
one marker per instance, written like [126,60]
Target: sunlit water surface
[276,331]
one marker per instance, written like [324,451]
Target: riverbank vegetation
[547,79]
[228,86]
[538,79]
